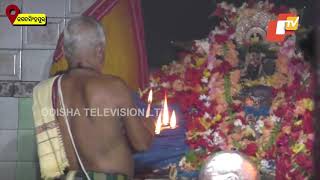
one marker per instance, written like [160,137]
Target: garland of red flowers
[205,84]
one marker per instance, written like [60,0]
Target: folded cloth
[51,151]
[72,175]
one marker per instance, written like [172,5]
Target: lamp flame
[164,121]
[158,124]
[150,97]
[149,103]
[165,112]
[173,120]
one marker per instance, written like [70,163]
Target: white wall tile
[5,3]
[67,21]
[8,145]
[52,8]
[43,37]
[8,170]
[10,36]
[77,7]
[28,171]
[10,64]
[36,64]
[9,113]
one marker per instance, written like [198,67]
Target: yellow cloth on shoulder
[51,151]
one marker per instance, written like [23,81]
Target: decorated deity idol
[243,93]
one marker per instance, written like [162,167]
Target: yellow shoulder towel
[51,151]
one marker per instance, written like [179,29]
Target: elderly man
[229,165]
[78,127]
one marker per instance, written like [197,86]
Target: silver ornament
[228,165]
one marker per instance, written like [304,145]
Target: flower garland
[207,84]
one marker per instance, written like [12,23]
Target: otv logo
[285,25]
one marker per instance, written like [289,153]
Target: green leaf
[191,156]
[273,136]
[237,144]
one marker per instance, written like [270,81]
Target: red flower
[231,31]
[188,100]
[270,154]
[309,144]
[296,174]
[304,161]
[307,123]
[236,107]
[295,135]
[283,141]
[169,78]
[193,124]
[283,166]
[223,68]
[251,149]
[281,9]
[193,76]
[221,38]
[218,12]
[158,95]
[284,151]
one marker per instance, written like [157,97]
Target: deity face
[257,65]
[255,34]
[252,66]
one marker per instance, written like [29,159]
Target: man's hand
[150,125]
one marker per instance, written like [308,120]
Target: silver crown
[253,27]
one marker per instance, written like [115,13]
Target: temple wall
[25,58]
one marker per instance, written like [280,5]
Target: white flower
[275,118]
[203,97]
[205,80]
[182,161]
[224,5]
[264,164]
[210,66]
[222,31]
[259,125]
[305,76]
[237,123]
[165,84]
[164,67]
[209,141]
[206,45]
[153,84]
[207,133]
[299,54]
[257,129]
[206,115]
[217,139]
[203,44]
[207,104]
[218,31]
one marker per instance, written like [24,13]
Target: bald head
[228,165]
[83,39]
